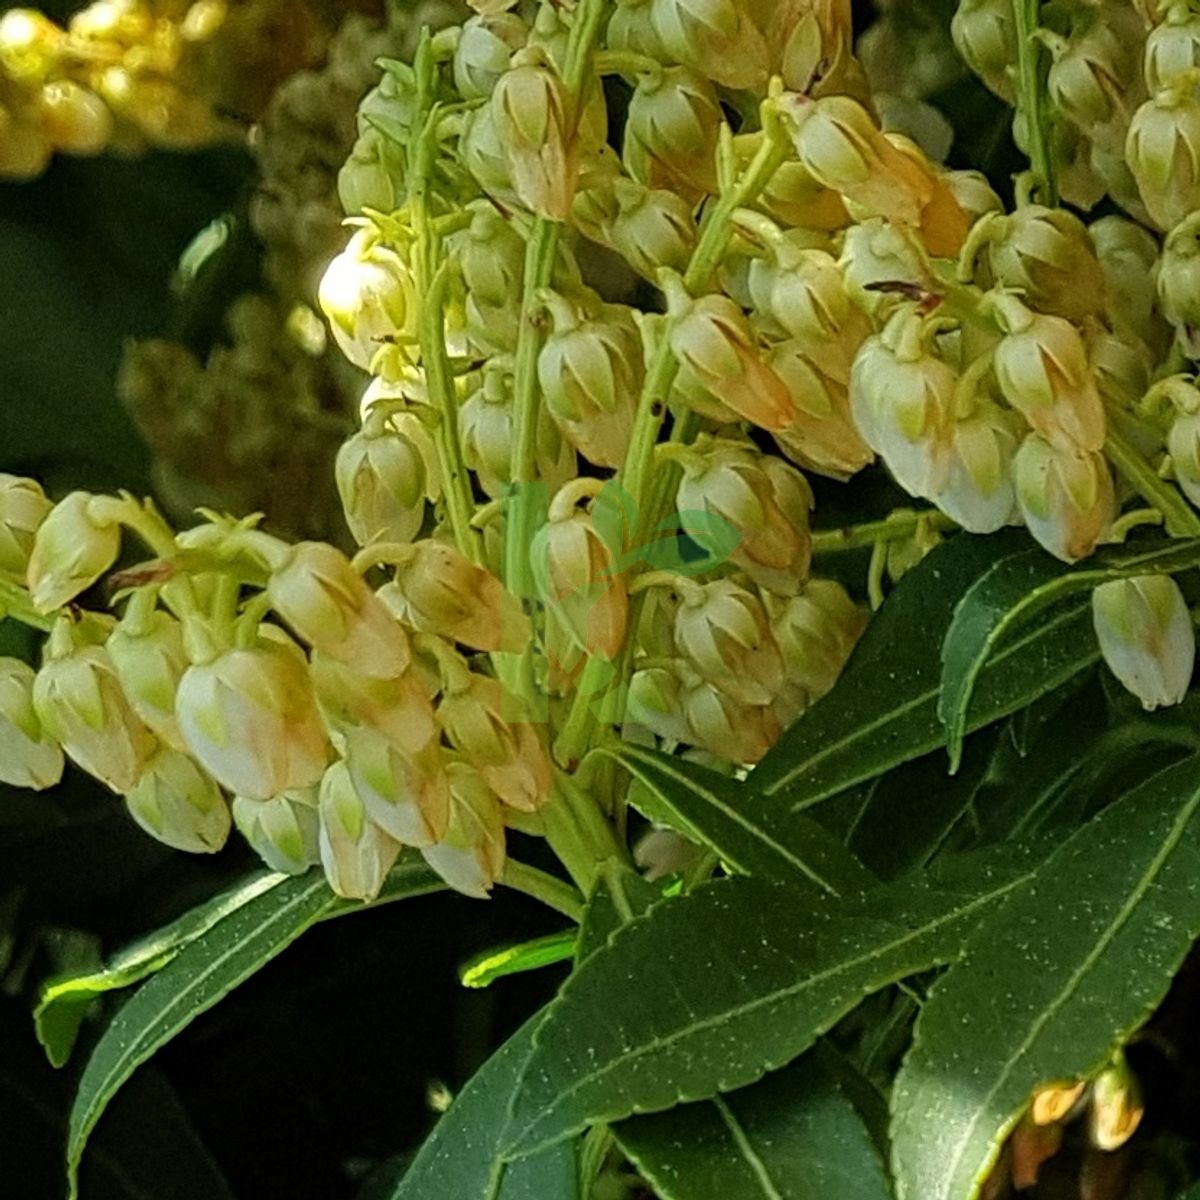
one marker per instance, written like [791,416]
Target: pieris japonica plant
[768,548]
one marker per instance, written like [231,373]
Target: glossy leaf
[200,975]
[1015,591]
[709,808]
[792,1136]
[1051,983]
[620,895]
[709,992]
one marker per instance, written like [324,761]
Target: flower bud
[803,290]
[1146,636]
[178,805]
[1117,1106]
[1042,368]
[369,297]
[481,152]
[811,45]
[815,631]
[407,796]
[1128,253]
[23,507]
[1054,1104]
[1065,495]
[437,590]
[74,118]
[655,703]
[722,632]
[652,229]
[737,732]
[631,28]
[1172,47]
[29,757]
[485,45]
[531,111]
[1094,79]
[250,719]
[80,703]
[671,133]
[25,150]
[1163,152]
[978,488]
[714,339]
[590,371]
[716,38]
[317,591]
[1178,277]
[735,483]
[1183,445]
[975,195]
[491,257]
[794,198]
[355,854]
[470,855]
[148,655]
[370,176]
[986,37]
[283,831]
[72,548]
[876,252]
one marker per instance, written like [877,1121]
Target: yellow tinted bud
[75,119]
[178,805]
[1163,153]
[717,38]
[23,507]
[29,756]
[75,544]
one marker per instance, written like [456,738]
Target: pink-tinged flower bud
[23,507]
[714,339]
[1117,1105]
[902,395]
[655,703]
[531,111]
[72,548]
[716,38]
[384,475]
[723,634]
[590,371]
[877,255]
[507,751]
[1177,279]
[178,805]
[1172,47]
[81,705]
[355,853]
[735,483]
[1163,152]
[407,796]
[29,757]
[1128,254]
[652,228]
[317,591]
[1146,636]
[671,133]
[437,590]
[282,831]
[470,855]
[148,654]
[737,732]
[823,436]
[1042,368]
[815,631]
[1065,495]
[986,37]
[485,45]
[250,719]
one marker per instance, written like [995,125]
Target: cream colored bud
[1094,78]
[978,489]
[250,719]
[804,291]
[470,855]
[815,631]
[23,507]
[1065,495]
[81,705]
[485,45]
[178,805]
[1146,636]
[1163,153]
[631,28]
[974,193]
[655,703]
[737,732]
[148,654]
[282,830]
[986,37]
[405,795]
[716,38]
[75,544]
[29,757]
[876,255]
[652,228]
[355,853]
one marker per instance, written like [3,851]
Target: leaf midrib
[741,1139]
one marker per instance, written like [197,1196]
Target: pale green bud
[1128,253]
[1121,365]
[631,28]
[148,654]
[717,38]
[803,290]
[29,757]
[370,176]
[1172,47]
[876,252]
[485,45]
[250,719]
[1178,279]
[75,544]
[390,106]
[283,830]
[652,229]
[470,855]
[491,257]
[355,853]
[737,732]
[1117,1106]
[407,796]
[794,197]
[178,805]
[1094,78]
[1183,445]
[815,631]
[1146,636]
[23,507]
[986,37]
[1065,495]
[1163,153]
[481,152]
[655,703]
[317,591]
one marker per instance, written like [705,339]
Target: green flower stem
[1181,520]
[899,525]
[1031,97]
[15,603]
[553,893]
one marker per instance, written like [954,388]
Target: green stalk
[896,527]
[553,893]
[1180,518]
[1031,96]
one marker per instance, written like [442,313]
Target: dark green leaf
[1015,591]
[620,895]
[712,990]
[1051,983]
[709,808]
[792,1136]
[484,969]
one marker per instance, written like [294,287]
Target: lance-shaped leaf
[883,709]
[709,808]
[1051,983]
[620,895]
[794,1135]
[201,974]
[710,991]
[484,969]
[1008,597]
